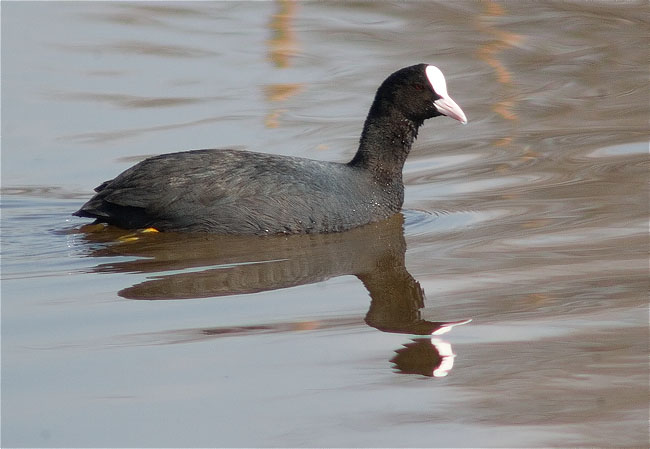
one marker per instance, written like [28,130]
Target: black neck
[385,142]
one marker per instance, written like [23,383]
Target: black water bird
[243,192]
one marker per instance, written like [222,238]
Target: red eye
[418,86]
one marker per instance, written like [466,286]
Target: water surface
[531,221]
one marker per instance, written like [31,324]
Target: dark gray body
[241,192]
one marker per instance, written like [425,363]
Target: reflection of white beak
[447,356]
[448,326]
[447,106]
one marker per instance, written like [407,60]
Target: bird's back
[241,192]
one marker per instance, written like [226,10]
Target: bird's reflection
[428,357]
[184,266]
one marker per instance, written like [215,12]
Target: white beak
[447,106]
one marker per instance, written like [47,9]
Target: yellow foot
[135,236]
[91,228]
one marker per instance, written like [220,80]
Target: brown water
[531,221]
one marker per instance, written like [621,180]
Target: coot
[242,192]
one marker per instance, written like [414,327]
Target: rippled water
[531,221]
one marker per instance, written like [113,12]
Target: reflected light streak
[489,52]
[282,46]
[283,42]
